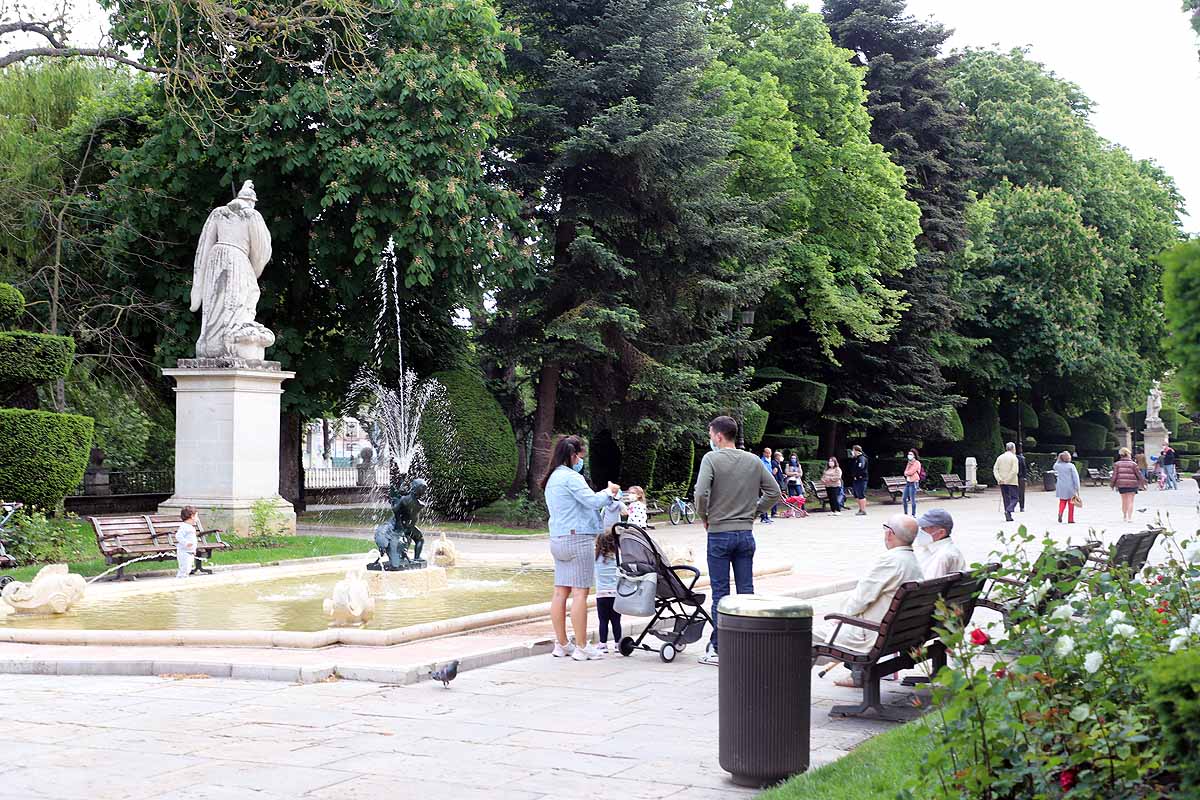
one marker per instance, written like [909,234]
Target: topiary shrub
[44,455]
[674,462]
[1171,418]
[1029,418]
[1088,436]
[1174,693]
[981,437]
[1188,448]
[754,424]
[639,453]
[34,357]
[803,445]
[1053,427]
[946,426]
[12,305]
[470,452]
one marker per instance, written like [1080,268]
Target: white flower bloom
[1039,594]
[1064,646]
[1178,643]
[1116,616]
[1194,623]
[1192,552]
[1092,662]
[1062,613]
[1124,630]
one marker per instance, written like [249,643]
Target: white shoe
[588,653]
[563,651]
[602,647]
[710,657]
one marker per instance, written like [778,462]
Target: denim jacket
[573,506]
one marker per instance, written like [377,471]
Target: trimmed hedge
[45,455]
[1171,418]
[946,426]
[1029,418]
[470,452]
[12,305]
[1187,448]
[1053,427]
[1188,431]
[754,424]
[639,454]
[674,462]
[34,357]
[1100,418]
[803,445]
[981,437]
[935,466]
[1088,436]
[1174,693]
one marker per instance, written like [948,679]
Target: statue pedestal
[1153,440]
[227,443]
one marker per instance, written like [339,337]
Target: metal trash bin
[764,687]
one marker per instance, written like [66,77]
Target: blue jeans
[910,494]
[1172,476]
[729,549]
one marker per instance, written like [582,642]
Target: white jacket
[873,596]
[939,558]
[1006,469]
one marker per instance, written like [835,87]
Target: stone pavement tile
[375,787]
[205,792]
[162,719]
[655,740]
[580,760]
[275,753]
[17,754]
[729,792]
[701,770]
[132,741]
[44,732]
[585,742]
[252,731]
[296,716]
[564,783]
[112,778]
[289,781]
[470,772]
[454,730]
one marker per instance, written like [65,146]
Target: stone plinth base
[405,581]
[1153,441]
[227,442]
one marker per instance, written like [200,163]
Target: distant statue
[1153,407]
[394,537]
[235,246]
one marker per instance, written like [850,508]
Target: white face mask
[911,457]
[923,539]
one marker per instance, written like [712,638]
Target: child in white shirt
[637,508]
[185,541]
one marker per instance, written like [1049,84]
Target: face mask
[713,445]
[578,465]
[911,457]
[924,539]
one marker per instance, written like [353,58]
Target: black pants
[1021,494]
[832,493]
[1009,493]
[604,608]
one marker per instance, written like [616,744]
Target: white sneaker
[563,651]
[602,647]
[588,653]
[710,656]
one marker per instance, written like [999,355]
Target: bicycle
[680,510]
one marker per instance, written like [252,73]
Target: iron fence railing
[345,477]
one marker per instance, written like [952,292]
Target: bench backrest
[1132,550]
[908,623]
[135,530]
[951,480]
[964,593]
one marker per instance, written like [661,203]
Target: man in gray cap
[935,551]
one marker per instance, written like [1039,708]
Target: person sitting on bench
[872,596]
[936,553]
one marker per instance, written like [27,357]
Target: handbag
[1077,501]
[635,594]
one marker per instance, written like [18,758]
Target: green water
[294,604]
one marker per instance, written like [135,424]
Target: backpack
[923,473]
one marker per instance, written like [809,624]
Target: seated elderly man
[937,554]
[873,594]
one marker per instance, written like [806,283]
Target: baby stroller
[679,614]
[793,507]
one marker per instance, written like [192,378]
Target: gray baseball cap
[936,518]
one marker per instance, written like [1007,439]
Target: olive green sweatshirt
[733,489]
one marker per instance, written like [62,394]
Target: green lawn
[87,560]
[366,517]
[875,770]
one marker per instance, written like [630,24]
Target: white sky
[1136,60]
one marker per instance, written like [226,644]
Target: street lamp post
[746,318]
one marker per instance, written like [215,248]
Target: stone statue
[1153,407]
[393,538]
[351,603]
[235,246]
[53,591]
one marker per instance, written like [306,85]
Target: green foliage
[944,427]
[123,429]
[31,538]
[802,445]
[674,462]
[45,455]
[1053,426]
[797,398]
[639,455]
[1170,418]
[1029,418]
[522,511]
[12,305]
[754,424]
[1088,436]
[1186,447]
[469,448]
[267,528]
[34,357]
[1174,693]
[981,437]
[874,770]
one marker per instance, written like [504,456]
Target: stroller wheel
[626,646]
[667,653]
[681,647]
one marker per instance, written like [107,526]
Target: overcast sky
[1136,60]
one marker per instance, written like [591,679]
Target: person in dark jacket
[1022,477]
[1168,460]
[858,476]
[1128,480]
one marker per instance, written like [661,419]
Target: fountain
[53,591]
[351,603]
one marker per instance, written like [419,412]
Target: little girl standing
[637,508]
[606,588]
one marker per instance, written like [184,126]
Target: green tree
[1181,288]
[372,183]
[623,167]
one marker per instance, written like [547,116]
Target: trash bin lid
[764,605]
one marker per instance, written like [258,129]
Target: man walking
[1168,460]
[733,487]
[858,477]
[1007,469]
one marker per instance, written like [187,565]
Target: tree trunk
[543,425]
[522,480]
[326,444]
[291,460]
[831,433]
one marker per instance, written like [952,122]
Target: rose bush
[1060,707]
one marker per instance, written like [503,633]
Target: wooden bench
[960,599]
[1098,476]
[815,497]
[149,537]
[953,484]
[903,634]
[1062,569]
[1130,552]
[895,487]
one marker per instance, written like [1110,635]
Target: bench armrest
[857,622]
[1009,581]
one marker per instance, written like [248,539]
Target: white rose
[1194,623]
[1124,630]
[1178,643]
[1064,646]
[1192,552]
[1092,662]
[1062,613]
[1116,616]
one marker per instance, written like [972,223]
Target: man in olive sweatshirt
[733,488]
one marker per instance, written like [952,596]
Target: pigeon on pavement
[445,674]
